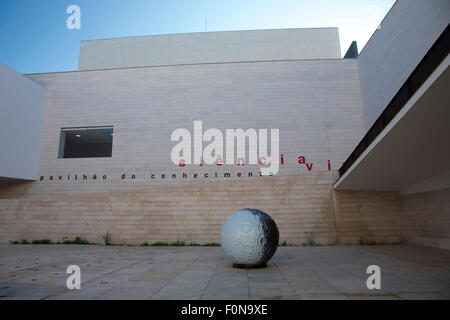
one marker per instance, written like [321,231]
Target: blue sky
[34,37]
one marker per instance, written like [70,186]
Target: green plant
[107,239]
[182,244]
[177,244]
[211,244]
[159,244]
[364,242]
[77,240]
[310,239]
[42,241]
[285,244]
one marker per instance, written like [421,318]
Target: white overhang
[413,147]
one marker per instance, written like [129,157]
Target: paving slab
[120,272]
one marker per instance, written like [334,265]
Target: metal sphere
[250,238]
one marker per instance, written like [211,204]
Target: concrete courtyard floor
[114,272]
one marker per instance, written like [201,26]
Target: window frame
[62,140]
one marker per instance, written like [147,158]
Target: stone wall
[304,207]
[426,218]
[315,104]
[368,216]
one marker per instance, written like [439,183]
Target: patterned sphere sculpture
[250,238]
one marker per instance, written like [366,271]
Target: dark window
[90,142]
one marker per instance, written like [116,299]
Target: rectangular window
[88,142]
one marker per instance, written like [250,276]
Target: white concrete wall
[22,107]
[316,104]
[210,47]
[405,36]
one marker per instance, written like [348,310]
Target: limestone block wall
[369,216]
[316,105]
[426,218]
[303,206]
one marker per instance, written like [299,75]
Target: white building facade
[105,158]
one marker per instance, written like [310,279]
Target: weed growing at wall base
[81,241]
[77,240]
